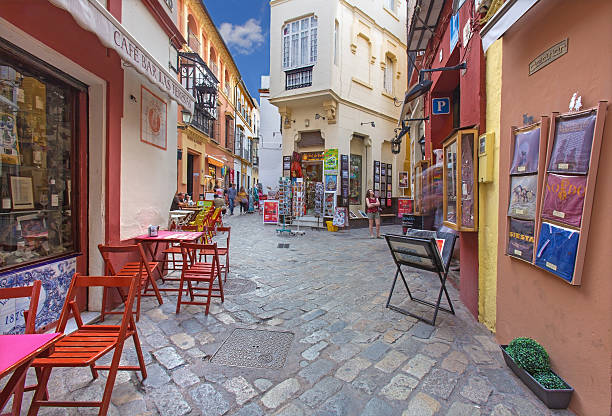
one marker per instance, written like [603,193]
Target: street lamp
[186,118]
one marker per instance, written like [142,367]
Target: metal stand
[422,253]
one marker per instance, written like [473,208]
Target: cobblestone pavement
[347,353]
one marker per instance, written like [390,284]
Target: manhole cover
[238,286]
[254,348]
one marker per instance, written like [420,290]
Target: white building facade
[337,77]
[271,142]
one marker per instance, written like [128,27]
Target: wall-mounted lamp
[186,118]
[369,122]
[318,116]
[133,99]
[422,144]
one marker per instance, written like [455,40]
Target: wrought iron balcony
[298,78]
[199,80]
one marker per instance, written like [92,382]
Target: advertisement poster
[355,180]
[404,206]
[270,212]
[331,183]
[328,204]
[330,162]
[153,119]
[318,200]
[8,137]
[404,180]
[340,217]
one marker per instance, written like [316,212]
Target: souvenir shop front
[68,177]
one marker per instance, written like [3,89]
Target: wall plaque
[551,54]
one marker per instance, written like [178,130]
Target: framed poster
[404,180]
[318,199]
[9,145]
[383,169]
[22,192]
[270,212]
[355,178]
[153,119]
[329,204]
[340,217]
[389,167]
[33,226]
[331,183]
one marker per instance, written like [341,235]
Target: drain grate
[283,245]
[238,286]
[254,348]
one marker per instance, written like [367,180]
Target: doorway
[190,174]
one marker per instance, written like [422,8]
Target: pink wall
[574,323]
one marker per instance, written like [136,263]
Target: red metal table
[167,237]
[16,355]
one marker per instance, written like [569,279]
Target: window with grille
[300,43]
[389,75]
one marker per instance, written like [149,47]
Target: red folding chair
[142,269]
[89,343]
[198,272]
[32,292]
[221,251]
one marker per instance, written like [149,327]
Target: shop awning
[93,17]
[423,22]
[508,14]
[215,161]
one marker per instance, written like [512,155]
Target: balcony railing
[298,78]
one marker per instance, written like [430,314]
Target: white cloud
[244,38]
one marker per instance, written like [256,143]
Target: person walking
[243,198]
[372,207]
[231,196]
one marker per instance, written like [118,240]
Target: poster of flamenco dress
[153,119]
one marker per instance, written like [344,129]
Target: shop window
[37,164]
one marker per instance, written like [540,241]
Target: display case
[460,181]
[420,185]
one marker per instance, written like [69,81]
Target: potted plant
[530,362]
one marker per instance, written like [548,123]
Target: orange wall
[573,323]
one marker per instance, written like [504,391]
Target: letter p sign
[440,106]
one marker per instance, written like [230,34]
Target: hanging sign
[440,106]
[270,212]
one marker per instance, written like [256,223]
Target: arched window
[389,71]
[192,34]
[226,82]
[213,61]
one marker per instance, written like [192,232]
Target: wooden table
[167,237]
[16,355]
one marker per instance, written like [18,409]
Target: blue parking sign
[440,105]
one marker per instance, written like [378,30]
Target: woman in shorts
[372,208]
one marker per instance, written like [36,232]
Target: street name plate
[551,54]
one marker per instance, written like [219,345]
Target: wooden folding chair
[198,272]
[141,269]
[32,292]
[222,251]
[89,343]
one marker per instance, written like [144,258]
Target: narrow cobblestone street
[323,296]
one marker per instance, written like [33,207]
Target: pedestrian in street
[243,198]
[231,196]
[372,209]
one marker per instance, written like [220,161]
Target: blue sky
[244,25]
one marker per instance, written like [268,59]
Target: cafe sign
[548,56]
[93,17]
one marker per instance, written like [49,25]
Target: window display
[37,125]
[564,199]
[557,247]
[521,239]
[355,175]
[460,190]
[571,150]
[523,196]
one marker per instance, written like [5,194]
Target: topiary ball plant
[529,355]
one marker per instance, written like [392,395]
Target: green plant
[529,355]
[550,380]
